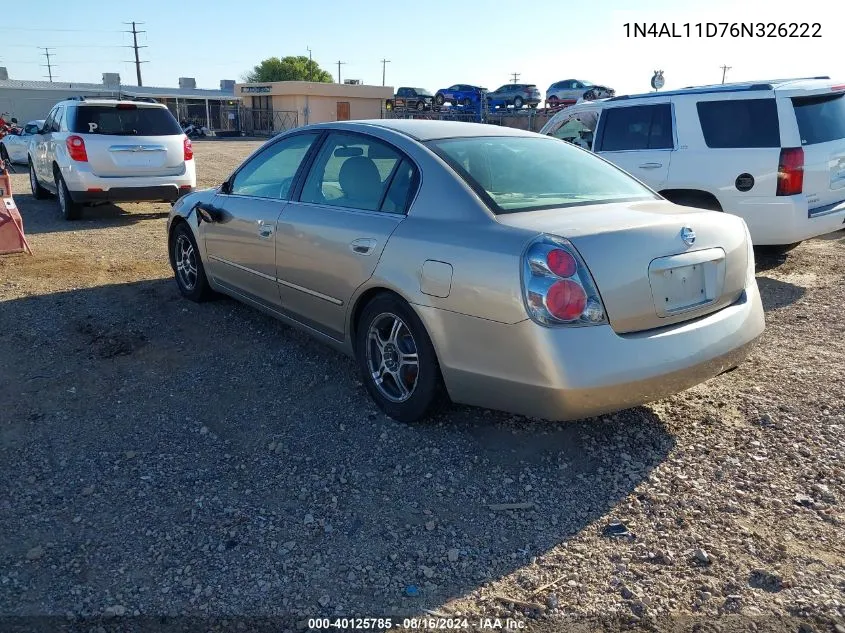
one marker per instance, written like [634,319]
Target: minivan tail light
[189,148]
[790,171]
[557,287]
[76,149]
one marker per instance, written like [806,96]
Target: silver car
[15,147]
[489,265]
[94,150]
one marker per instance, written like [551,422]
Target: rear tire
[187,265]
[69,209]
[379,349]
[517,103]
[38,192]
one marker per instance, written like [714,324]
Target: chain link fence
[255,122]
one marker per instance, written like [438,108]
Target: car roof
[427,130]
[766,84]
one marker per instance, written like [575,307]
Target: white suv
[772,152]
[94,150]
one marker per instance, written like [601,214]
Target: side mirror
[208,213]
[14,120]
[226,187]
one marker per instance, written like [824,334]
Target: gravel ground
[166,459]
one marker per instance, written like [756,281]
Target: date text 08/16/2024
[723,29]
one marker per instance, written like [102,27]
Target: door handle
[363,246]
[651,165]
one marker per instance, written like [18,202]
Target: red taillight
[561,263]
[557,287]
[566,300]
[126,106]
[189,148]
[76,149]
[790,171]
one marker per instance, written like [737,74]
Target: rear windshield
[513,174]
[136,121]
[740,123]
[820,119]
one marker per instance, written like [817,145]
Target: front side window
[355,172]
[738,123]
[270,174]
[578,129]
[821,119]
[513,174]
[56,124]
[637,128]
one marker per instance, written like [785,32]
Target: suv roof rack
[717,88]
[119,96]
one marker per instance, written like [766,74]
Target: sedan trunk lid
[648,276]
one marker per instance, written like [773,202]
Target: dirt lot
[164,459]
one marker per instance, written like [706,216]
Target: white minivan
[772,152]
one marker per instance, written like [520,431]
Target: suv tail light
[557,287]
[189,149]
[790,171]
[76,149]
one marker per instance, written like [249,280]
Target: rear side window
[124,121]
[739,123]
[820,119]
[637,127]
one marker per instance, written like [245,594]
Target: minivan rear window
[821,119]
[739,123]
[131,121]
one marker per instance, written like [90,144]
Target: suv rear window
[131,121]
[820,119]
[739,123]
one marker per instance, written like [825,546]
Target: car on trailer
[407,98]
[459,94]
[516,95]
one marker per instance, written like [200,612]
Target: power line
[515,76]
[725,69]
[138,61]
[48,64]
[339,64]
[384,64]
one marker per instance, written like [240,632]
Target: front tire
[397,361]
[439,99]
[69,209]
[517,103]
[38,192]
[187,265]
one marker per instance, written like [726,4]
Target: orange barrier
[12,238]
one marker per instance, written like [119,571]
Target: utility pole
[725,69]
[515,77]
[138,61]
[339,64]
[310,64]
[384,64]
[49,64]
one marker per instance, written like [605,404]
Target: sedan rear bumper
[573,373]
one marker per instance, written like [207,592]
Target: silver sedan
[482,264]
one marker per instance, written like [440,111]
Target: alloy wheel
[185,258]
[392,358]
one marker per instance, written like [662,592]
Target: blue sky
[431,44]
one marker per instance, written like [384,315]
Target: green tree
[290,68]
